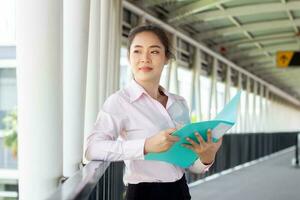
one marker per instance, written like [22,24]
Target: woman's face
[147,57]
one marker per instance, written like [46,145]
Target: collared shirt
[127,118]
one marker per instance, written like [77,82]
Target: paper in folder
[184,157]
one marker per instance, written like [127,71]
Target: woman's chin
[145,78]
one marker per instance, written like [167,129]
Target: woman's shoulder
[117,99]
[177,97]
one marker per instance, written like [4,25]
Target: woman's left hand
[205,150]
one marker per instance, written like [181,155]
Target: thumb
[170,130]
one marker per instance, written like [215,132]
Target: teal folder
[184,157]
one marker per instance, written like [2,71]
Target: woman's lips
[145,69]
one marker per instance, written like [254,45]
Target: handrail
[82,183]
[297,150]
[103,180]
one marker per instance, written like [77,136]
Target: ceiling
[247,32]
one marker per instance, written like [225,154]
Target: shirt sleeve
[104,143]
[199,168]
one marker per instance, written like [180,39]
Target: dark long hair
[158,31]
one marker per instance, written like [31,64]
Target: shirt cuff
[199,168]
[134,149]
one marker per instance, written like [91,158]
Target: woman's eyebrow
[155,46]
[137,46]
[152,46]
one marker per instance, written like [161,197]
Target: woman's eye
[136,51]
[155,52]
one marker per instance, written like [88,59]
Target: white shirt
[127,118]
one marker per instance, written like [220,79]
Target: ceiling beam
[269,37]
[280,71]
[238,24]
[269,49]
[150,3]
[247,58]
[261,68]
[296,29]
[259,59]
[269,25]
[192,8]
[287,75]
[239,11]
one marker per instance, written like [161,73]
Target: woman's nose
[145,58]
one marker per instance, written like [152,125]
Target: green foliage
[10,131]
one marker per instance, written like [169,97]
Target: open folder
[184,157]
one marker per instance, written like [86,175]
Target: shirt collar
[136,91]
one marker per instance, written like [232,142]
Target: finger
[172,138]
[209,137]
[192,142]
[199,138]
[170,130]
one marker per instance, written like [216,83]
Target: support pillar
[39,80]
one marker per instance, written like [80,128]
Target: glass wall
[8,102]
[125,71]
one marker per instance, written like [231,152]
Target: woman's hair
[158,31]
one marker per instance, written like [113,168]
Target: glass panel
[257,114]
[236,128]
[243,111]
[125,70]
[8,102]
[163,78]
[205,84]
[184,84]
[251,114]
[220,96]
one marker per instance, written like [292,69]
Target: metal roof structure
[246,32]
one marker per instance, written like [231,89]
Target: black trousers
[177,190]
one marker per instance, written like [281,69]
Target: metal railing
[96,180]
[103,180]
[295,161]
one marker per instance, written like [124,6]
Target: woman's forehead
[146,39]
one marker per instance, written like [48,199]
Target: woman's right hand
[160,142]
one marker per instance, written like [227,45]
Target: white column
[173,67]
[75,42]
[254,115]
[142,20]
[168,74]
[239,117]
[118,11]
[115,46]
[111,49]
[247,118]
[227,84]
[196,86]
[39,79]
[104,42]
[261,113]
[213,89]
[103,58]
[92,86]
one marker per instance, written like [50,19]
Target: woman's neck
[150,87]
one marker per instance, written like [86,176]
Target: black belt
[177,190]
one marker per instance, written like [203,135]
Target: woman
[140,119]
